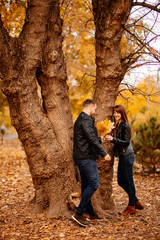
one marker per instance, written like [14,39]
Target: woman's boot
[129,210]
[138,205]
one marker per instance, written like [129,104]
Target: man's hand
[107,158]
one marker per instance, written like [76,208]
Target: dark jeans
[125,177]
[89,183]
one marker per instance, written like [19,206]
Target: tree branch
[143,44]
[82,30]
[137,91]
[147,5]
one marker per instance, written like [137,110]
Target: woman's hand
[108,137]
[107,158]
[103,139]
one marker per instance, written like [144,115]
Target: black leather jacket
[87,145]
[122,142]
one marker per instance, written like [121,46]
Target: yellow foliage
[105,126]
[5,117]
[79,49]
[141,107]
[128,43]
[142,118]
[13,16]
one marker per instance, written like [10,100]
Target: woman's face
[117,116]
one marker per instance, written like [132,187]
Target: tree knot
[53,56]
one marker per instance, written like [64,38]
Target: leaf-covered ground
[17,222]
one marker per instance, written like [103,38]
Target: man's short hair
[88,102]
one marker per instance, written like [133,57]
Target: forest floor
[17,222]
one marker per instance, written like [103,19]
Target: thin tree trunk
[109,18]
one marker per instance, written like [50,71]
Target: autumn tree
[45,130]
[110,18]
[34,60]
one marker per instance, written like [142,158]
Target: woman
[123,149]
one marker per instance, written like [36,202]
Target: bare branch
[90,75]
[130,25]
[147,5]
[82,30]
[137,91]
[137,20]
[143,64]
[143,44]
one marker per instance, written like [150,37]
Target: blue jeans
[125,177]
[89,183]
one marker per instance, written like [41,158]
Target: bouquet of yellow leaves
[105,127]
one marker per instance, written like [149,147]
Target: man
[86,150]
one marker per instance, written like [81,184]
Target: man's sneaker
[94,217]
[80,219]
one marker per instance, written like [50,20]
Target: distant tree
[34,60]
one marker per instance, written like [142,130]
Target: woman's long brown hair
[120,109]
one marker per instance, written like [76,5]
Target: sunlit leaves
[80,92]
[132,44]
[13,15]
[142,101]
[79,49]
[105,126]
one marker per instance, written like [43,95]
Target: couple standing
[87,148]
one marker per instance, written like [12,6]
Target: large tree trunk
[45,130]
[109,18]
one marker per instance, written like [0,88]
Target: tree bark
[109,19]
[44,130]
